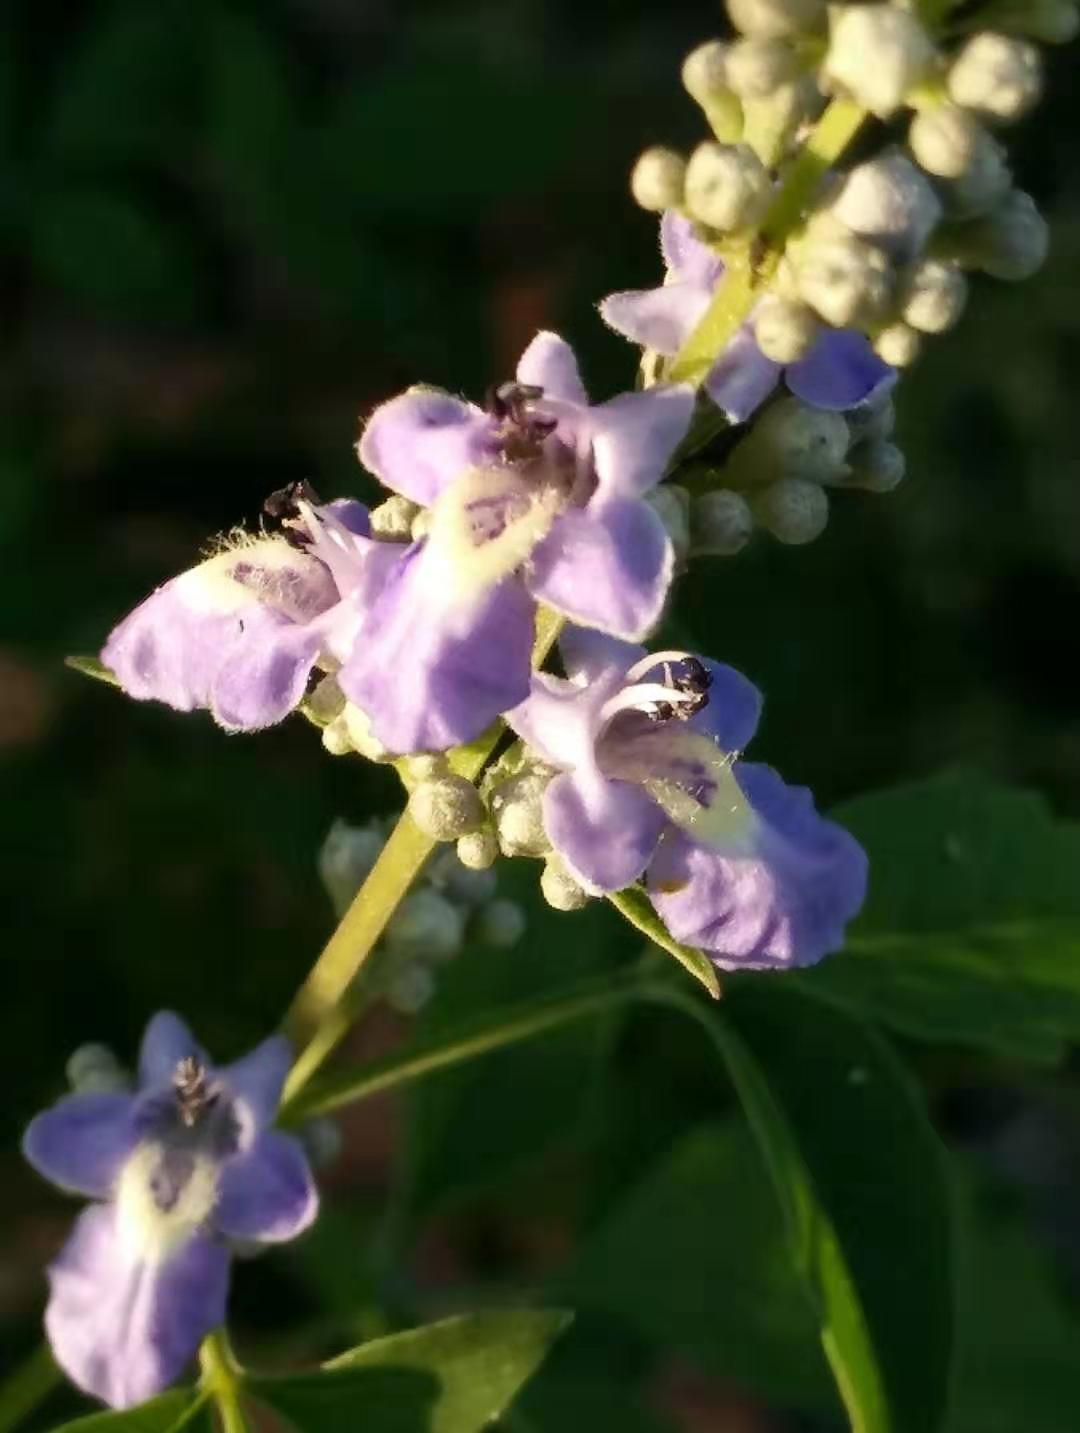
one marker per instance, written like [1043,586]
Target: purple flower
[839,372]
[239,634]
[538,498]
[735,862]
[180,1167]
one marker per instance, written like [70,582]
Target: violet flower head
[239,633]
[736,863]
[840,371]
[540,497]
[180,1167]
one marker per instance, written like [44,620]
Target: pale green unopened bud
[945,139]
[325,702]
[392,520]
[871,420]
[345,858]
[657,179]
[501,923]
[877,466]
[898,345]
[478,850]
[457,882]
[410,988]
[671,504]
[889,201]
[335,738]
[421,524]
[363,739]
[877,53]
[755,68]
[791,440]
[848,282]
[516,806]
[428,765]
[95,1070]
[772,122]
[446,807]
[785,329]
[793,510]
[721,524]
[772,19]
[934,295]
[427,925]
[1011,242]
[704,73]
[727,186]
[998,75]
[983,185]
[559,888]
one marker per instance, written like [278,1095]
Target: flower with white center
[180,1168]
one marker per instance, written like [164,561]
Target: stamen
[193,1094]
[646,697]
[285,506]
[683,693]
[522,432]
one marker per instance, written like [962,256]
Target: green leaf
[450,1377]
[971,932]
[169,1413]
[864,1191]
[111,254]
[91,667]
[634,905]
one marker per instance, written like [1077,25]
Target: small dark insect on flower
[282,508]
[522,431]
[193,1095]
[694,681]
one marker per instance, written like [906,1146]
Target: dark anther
[661,712]
[193,1095]
[694,682]
[522,430]
[283,509]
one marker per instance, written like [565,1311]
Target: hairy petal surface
[419,442]
[605,831]
[81,1143]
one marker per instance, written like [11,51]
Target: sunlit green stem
[28,1386]
[221,1378]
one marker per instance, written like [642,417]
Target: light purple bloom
[180,1167]
[650,785]
[538,498]
[840,371]
[240,633]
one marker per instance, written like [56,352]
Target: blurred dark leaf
[971,932]
[178,1409]
[113,254]
[451,1377]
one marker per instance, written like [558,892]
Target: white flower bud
[409,989]
[721,523]
[727,186]
[421,524]
[890,202]
[877,466]
[871,420]
[671,504]
[517,808]
[945,140]
[446,807]
[363,739]
[877,53]
[898,345]
[997,75]
[848,282]
[95,1070]
[771,19]
[785,329]
[657,179]
[501,923]
[428,765]
[934,295]
[704,73]
[335,737]
[793,510]
[478,850]
[345,858]
[772,122]
[985,182]
[326,701]
[426,925]
[756,68]
[791,440]
[392,520]
[559,888]
[1012,241]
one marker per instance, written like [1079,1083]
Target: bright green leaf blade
[971,932]
[450,1377]
[634,905]
[171,1412]
[864,1188]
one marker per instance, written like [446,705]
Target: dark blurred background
[226,232]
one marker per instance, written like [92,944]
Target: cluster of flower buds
[455,900]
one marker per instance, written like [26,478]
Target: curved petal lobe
[661,318]
[419,442]
[549,363]
[635,434]
[684,253]
[81,1143]
[165,1042]
[742,378]
[267,1193]
[257,1078]
[840,371]
[605,832]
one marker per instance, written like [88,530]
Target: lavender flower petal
[123,1329]
[267,1193]
[839,372]
[685,255]
[419,442]
[81,1143]
[605,831]
[742,378]
[634,435]
[550,364]
[734,709]
[257,1078]
[559,719]
[166,1041]
[591,656]
[661,319]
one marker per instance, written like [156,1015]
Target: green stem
[24,1389]
[221,1378]
[745,276]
